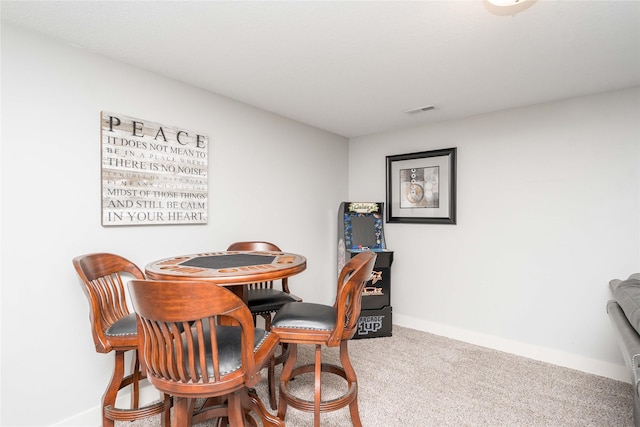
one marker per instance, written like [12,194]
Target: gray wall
[548,212]
[270,178]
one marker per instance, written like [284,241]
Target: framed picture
[421,187]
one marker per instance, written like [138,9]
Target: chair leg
[267,321]
[351,378]
[317,392]
[285,375]
[271,379]
[271,372]
[165,420]
[136,377]
[110,394]
[182,407]
[236,415]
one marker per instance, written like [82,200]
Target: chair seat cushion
[229,338]
[305,315]
[126,326]
[267,300]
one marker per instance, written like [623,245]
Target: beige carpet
[418,379]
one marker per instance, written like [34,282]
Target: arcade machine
[360,228]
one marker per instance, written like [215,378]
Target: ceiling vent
[419,109]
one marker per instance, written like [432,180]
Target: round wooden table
[232,269]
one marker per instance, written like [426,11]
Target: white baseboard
[555,357]
[93,417]
[89,418]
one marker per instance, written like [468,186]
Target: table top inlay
[228,267]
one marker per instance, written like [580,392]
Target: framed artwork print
[421,187]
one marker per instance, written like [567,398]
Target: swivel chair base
[118,382]
[317,405]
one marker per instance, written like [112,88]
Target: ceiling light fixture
[425,108]
[504,3]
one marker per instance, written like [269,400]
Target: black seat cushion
[267,300]
[126,326]
[229,338]
[305,315]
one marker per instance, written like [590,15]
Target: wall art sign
[421,187]
[152,174]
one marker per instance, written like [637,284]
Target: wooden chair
[191,351]
[308,323]
[114,329]
[264,300]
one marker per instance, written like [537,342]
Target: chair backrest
[259,246]
[186,348]
[253,246]
[102,283]
[353,276]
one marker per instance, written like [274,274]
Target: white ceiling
[354,68]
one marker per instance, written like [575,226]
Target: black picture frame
[421,187]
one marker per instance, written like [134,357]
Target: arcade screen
[363,231]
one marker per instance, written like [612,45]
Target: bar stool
[264,300]
[191,350]
[114,329]
[317,324]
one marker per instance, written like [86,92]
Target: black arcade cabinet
[360,228]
